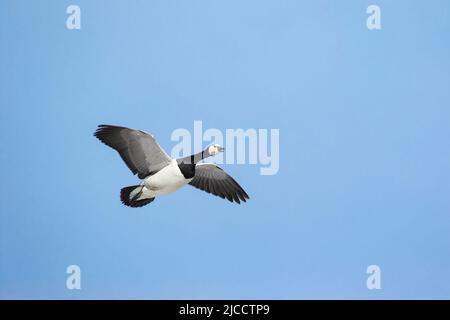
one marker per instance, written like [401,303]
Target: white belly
[168,180]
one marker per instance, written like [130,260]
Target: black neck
[195,158]
[187,164]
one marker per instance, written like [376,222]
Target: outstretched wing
[212,179]
[139,150]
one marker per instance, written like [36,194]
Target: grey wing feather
[212,179]
[138,149]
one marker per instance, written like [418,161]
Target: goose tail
[131,196]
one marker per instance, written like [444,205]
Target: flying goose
[161,174]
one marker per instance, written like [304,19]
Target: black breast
[188,170]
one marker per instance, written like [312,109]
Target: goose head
[215,149]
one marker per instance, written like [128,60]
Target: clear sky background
[364,119]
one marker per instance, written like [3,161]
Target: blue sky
[364,119]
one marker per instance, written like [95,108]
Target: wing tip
[101,128]
[104,130]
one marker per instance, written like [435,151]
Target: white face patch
[214,149]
